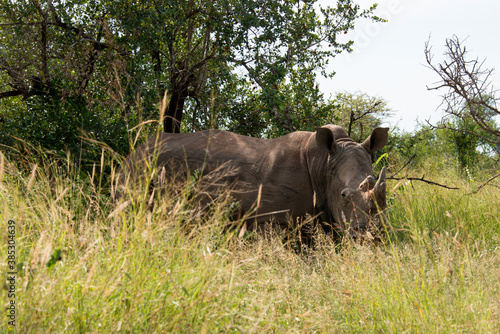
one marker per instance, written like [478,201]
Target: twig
[486,183]
[422,180]
[406,164]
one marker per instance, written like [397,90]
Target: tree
[181,41]
[291,43]
[470,102]
[359,113]
[466,139]
[470,95]
[35,39]
[59,70]
[101,67]
[266,41]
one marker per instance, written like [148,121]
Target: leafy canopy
[97,68]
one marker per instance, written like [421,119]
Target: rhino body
[321,173]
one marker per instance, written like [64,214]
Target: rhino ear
[376,141]
[325,140]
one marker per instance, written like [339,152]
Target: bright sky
[388,59]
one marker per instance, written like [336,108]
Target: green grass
[86,265]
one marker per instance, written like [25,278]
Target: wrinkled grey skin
[323,172]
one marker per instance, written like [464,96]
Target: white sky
[388,58]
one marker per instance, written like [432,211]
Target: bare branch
[11,93]
[422,179]
[470,94]
[406,164]
[485,184]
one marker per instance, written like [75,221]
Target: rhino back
[277,166]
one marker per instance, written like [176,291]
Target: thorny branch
[406,164]
[470,93]
[422,179]
[486,183]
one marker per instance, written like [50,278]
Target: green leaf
[56,256]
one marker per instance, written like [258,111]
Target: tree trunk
[351,122]
[173,117]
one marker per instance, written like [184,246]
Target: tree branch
[11,93]
[422,179]
[486,183]
[43,41]
[470,94]
[406,164]
[59,23]
[285,123]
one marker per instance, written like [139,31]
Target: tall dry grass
[88,265]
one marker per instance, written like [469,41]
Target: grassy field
[85,265]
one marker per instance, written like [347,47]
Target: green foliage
[101,68]
[291,44]
[65,126]
[359,113]
[423,147]
[468,139]
[464,141]
[428,151]
[65,78]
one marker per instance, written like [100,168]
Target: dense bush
[441,150]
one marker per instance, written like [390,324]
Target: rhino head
[351,195]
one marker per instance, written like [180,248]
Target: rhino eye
[345,193]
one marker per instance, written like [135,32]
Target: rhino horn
[379,189]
